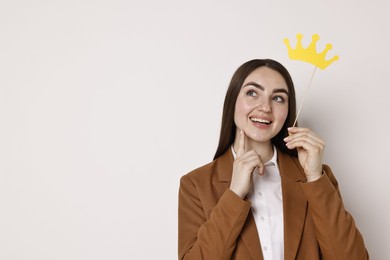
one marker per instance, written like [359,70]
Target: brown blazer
[214,223]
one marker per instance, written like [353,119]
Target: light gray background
[104,105]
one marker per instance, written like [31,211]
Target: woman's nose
[264,106]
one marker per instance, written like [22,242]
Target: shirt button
[259,194]
[265,248]
[262,218]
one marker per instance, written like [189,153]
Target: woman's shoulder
[214,169]
[201,172]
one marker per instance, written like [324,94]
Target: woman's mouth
[260,121]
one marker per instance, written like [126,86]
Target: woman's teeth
[261,121]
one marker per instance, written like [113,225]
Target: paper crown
[310,53]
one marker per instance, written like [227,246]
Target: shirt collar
[272,162]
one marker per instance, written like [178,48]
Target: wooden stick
[304,97]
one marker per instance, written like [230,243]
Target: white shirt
[267,208]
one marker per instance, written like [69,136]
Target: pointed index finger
[241,144]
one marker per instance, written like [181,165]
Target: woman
[267,194]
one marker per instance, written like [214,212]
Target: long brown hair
[228,127]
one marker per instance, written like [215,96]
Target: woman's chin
[260,139]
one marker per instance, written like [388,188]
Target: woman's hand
[243,167]
[310,150]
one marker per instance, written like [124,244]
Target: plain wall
[104,105]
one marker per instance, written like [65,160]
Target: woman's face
[262,105]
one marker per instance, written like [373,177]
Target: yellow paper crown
[310,53]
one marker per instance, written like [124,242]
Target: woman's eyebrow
[256,85]
[282,90]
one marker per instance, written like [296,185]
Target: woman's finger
[253,161]
[241,144]
[304,140]
[304,132]
[303,136]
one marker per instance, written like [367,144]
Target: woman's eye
[251,93]
[279,99]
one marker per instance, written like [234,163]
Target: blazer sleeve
[213,237]
[336,231]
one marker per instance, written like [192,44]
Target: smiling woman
[267,193]
[228,128]
[262,105]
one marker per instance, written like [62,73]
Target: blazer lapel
[251,238]
[224,166]
[294,203]
[249,233]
